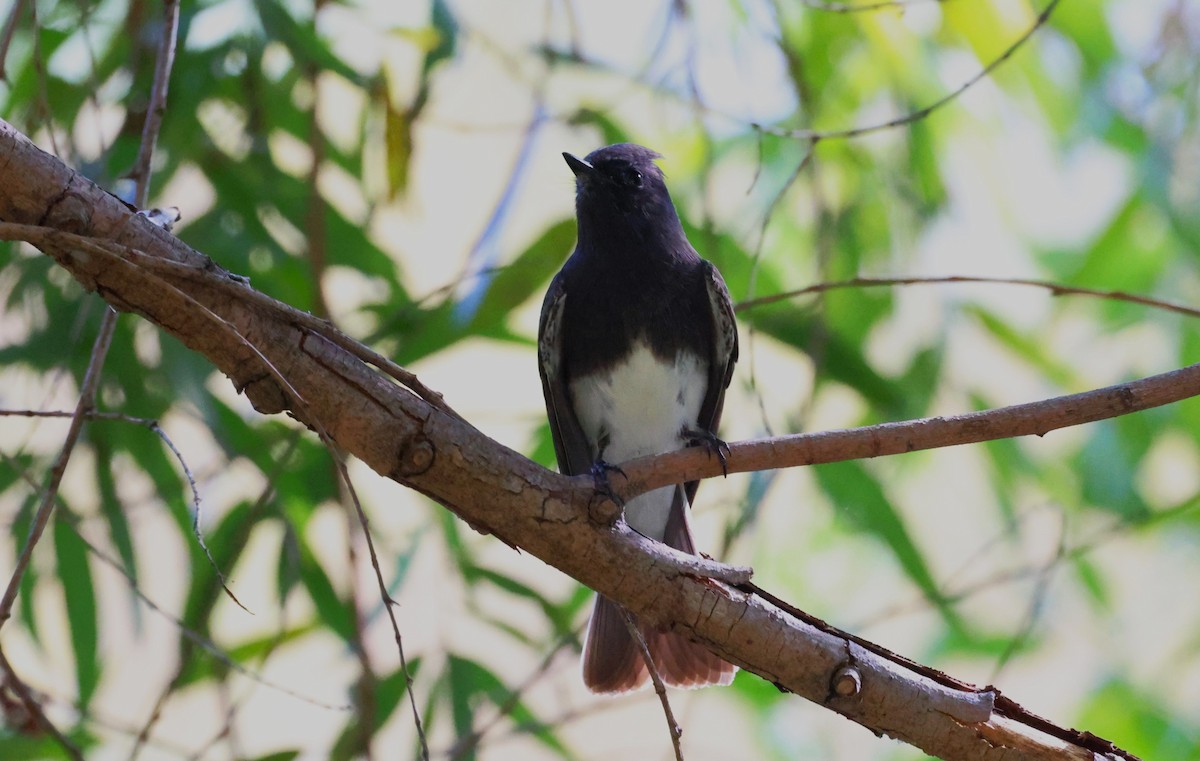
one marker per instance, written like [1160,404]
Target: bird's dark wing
[723,355]
[571,447]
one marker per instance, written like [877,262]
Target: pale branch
[278,356]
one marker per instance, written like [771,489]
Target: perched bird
[636,346]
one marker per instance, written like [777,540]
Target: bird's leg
[600,470]
[711,442]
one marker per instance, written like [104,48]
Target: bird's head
[619,181]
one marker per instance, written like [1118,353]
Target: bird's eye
[630,178]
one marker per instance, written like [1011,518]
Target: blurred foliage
[240,128]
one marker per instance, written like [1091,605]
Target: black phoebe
[636,347]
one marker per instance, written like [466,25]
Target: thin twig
[1014,575]
[87,399]
[660,689]
[188,633]
[314,217]
[832,7]
[35,709]
[197,509]
[154,426]
[300,405]
[469,744]
[1056,289]
[921,113]
[756,258]
[1036,603]
[389,604]
[90,415]
[6,36]
[43,95]
[163,63]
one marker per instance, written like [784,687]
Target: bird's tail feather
[612,661]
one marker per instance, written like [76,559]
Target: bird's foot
[711,442]
[600,470]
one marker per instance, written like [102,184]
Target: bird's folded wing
[570,445]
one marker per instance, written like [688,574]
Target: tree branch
[278,357]
[1032,418]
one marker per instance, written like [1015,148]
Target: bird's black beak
[580,167]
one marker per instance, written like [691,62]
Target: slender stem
[87,400]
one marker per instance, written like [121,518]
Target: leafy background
[395,167]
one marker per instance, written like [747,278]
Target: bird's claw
[714,444]
[600,470]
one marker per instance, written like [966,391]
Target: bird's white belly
[640,407]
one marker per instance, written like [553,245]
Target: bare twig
[832,7]
[90,415]
[921,113]
[154,426]
[1056,289]
[314,217]
[10,27]
[197,531]
[32,705]
[756,258]
[87,398]
[467,745]
[389,604]
[163,64]
[158,101]
[660,689]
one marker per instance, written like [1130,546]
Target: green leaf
[24,747]
[283,755]
[513,285]
[447,40]
[75,575]
[114,512]
[1092,581]
[860,499]
[1108,464]
[469,681]
[303,41]
[336,613]
[840,360]
[387,693]
[398,142]
[561,619]
[1140,722]
[1028,348]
